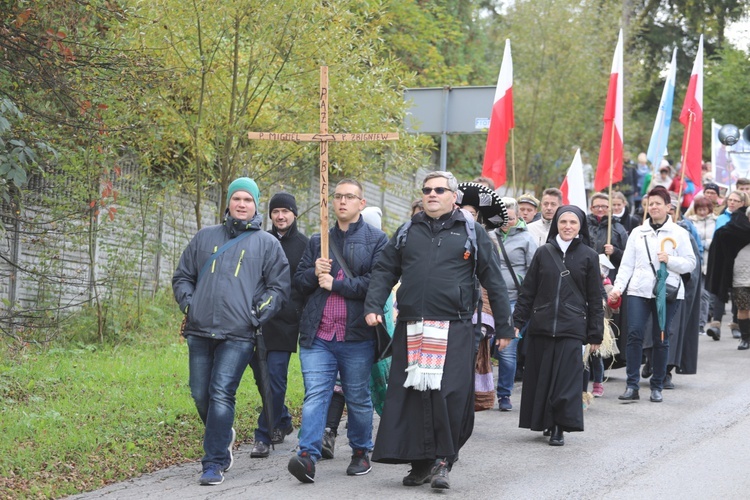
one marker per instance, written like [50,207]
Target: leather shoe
[557,439]
[656,396]
[744,345]
[714,331]
[629,395]
[646,372]
[668,384]
[260,450]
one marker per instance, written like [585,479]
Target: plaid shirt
[333,322]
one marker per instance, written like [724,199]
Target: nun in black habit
[561,299]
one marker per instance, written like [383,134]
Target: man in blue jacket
[232,278]
[334,337]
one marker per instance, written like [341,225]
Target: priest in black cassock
[429,406]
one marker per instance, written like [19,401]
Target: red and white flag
[692,118]
[573,187]
[501,122]
[610,153]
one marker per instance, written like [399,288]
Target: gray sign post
[449,110]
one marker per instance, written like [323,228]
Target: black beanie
[282,200]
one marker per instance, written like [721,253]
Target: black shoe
[744,345]
[420,473]
[668,384]
[656,396]
[260,450]
[440,479]
[557,439]
[646,372]
[360,464]
[278,435]
[735,328]
[629,395]
[547,433]
[329,443]
[302,467]
[714,332]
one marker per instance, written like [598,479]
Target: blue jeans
[506,369]
[216,369]
[320,363]
[640,311]
[278,367]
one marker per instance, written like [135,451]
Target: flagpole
[684,167]
[611,173]
[513,159]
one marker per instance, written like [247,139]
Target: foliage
[77,416]
[726,91]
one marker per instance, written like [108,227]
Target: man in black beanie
[282,331]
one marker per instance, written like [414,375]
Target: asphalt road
[694,445]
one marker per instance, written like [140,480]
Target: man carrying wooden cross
[334,337]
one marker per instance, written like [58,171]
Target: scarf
[426,345]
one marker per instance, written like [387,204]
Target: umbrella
[485,200]
[266,394]
[661,289]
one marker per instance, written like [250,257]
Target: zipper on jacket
[239,263]
[213,264]
[557,303]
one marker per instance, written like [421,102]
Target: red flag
[692,118]
[501,122]
[610,153]
[573,186]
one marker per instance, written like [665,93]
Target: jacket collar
[235,226]
[291,232]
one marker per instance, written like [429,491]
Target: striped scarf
[426,344]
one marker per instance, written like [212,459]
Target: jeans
[320,363]
[216,369]
[506,369]
[640,310]
[278,367]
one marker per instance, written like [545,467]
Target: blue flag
[659,136]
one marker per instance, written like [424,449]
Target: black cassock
[424,425]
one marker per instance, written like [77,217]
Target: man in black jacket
[429,408]
[334,337]
[282,330]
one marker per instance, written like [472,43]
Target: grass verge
[75,417]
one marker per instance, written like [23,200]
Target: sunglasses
[438,190]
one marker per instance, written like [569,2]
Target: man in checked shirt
[334,337]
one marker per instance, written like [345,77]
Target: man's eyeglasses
[599,207]
[347,197]
[438,190]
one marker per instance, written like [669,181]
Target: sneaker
[440,475]
[598,390]
[302,467]
[260,450]
[329,442]
[503,404]
[212,475]
[360,464]
[420,473]
[231,455]
[278,435]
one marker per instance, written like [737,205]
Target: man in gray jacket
[232,278]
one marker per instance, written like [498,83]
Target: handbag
[383,341]
[671,290]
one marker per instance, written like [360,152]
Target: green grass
[77,416]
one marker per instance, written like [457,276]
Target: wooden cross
[323,137]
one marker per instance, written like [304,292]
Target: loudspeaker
[729,134]
[746,134]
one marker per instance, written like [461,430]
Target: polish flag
[692,118]
[501,122]
[610,153]
[573,190]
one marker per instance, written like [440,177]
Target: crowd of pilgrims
[701,236]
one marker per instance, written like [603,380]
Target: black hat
[711,186]
[282,200]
